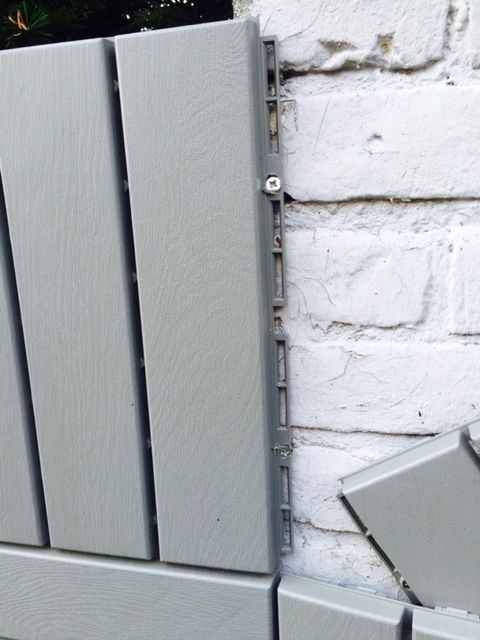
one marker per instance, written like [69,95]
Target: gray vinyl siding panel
[50,595]
[64,199]
[310,610]
[433,625]
[417,491]
[194,145]
[22,512]
[313,610]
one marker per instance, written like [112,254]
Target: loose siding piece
[189,100]
[309,610]
[63,191]
[420,507]
[51,595]
[22,510]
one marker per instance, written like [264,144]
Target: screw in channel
[273,184]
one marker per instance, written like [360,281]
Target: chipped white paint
[474,33]
[340,558]
[380,114]
[334,35]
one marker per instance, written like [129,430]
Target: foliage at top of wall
[32,22]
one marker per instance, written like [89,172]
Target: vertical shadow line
[134,300]
[275,607]
[21,354]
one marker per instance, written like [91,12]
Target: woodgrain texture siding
[309,610]
[22,511]
[405,492]
[54,596]
[433,625]
[193,149]
[63,191]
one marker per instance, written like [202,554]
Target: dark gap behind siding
[134,302]
[13,300]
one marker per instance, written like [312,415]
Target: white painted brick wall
[464,293]
[366,278]
[381,122]
[391,143]
[333,35]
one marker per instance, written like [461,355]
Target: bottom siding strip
[52,595]
[314,610]
[435,625]
[310,610]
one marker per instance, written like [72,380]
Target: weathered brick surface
[474,33]
[357,277]
[464,285]
[380,120]
[383,386]
[321,459]
[333,35]
[339,558]
[415,143]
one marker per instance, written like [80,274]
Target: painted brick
[335,35]
[464,280]
[474,33]
[357,277]
[341,558]
[417,143]
[320,459]
[361,140]
[360,385]
[379,217]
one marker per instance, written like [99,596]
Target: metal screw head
[283,451]
[273,184]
